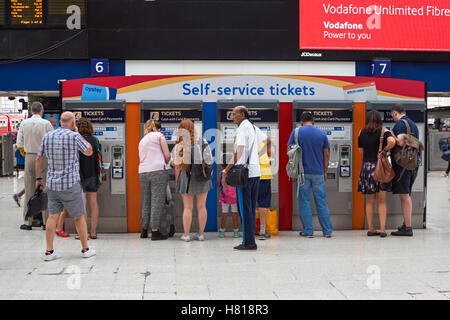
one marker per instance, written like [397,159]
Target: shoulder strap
[251,149]
[296,135]
[381,139]
[408,129]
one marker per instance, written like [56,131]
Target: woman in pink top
[153,156]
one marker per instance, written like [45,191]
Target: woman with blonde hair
[187,185]
[153,156]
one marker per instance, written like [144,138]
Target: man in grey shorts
[61,148]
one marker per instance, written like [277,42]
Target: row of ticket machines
[334,117]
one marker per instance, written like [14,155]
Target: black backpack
[201,171]
[37,203]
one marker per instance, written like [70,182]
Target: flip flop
[62,234]
[77,237]
[92,237]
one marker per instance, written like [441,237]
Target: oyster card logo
[91,92]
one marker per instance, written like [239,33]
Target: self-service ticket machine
[336,119]
[170,113]
[262,113]
[108,120]
[417,112]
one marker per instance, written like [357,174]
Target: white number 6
[99,67]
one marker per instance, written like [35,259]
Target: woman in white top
[153,156]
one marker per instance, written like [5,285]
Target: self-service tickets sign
[398,25]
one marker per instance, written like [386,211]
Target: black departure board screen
[41,13]
[2,12]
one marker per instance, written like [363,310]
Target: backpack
[444,144]
[446,156]
[294,167]
[408,155]
[201,171]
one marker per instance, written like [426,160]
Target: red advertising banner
[397,25]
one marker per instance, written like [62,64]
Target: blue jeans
[315,182]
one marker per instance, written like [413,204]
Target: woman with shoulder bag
[153,156]
[186,183]
[368,145]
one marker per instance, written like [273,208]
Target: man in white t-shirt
[248,138]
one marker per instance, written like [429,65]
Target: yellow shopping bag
[271,222]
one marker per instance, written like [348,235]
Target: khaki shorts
[71,199]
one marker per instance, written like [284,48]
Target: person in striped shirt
[64,190]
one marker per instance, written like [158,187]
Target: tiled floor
[347,266]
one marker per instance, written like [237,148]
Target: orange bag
[271,222]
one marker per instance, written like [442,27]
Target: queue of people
[66,162]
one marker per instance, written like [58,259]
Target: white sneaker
[89,253]
[185,238]
[50,257]
[199,237]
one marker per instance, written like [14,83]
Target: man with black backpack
[405,164]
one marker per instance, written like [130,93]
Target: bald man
[61,148]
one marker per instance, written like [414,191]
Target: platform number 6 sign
[99,67]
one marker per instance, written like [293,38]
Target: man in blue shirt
[315,157]
[404,179]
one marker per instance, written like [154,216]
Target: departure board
[41,13]
[2,12]
[27,12]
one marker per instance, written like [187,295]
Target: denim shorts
[71,199]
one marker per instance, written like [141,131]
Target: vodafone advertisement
[397,25]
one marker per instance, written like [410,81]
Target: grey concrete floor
[347,266]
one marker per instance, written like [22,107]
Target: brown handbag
[383,171]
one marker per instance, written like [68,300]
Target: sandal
[62,234]
[92,236]
[77,237]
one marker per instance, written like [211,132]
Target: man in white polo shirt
[248,138]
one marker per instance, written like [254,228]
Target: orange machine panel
[359,120]
[133,185]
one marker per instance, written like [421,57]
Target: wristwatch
[38,179]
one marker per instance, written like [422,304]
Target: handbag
[383,170]
[37,203]
[238,174]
